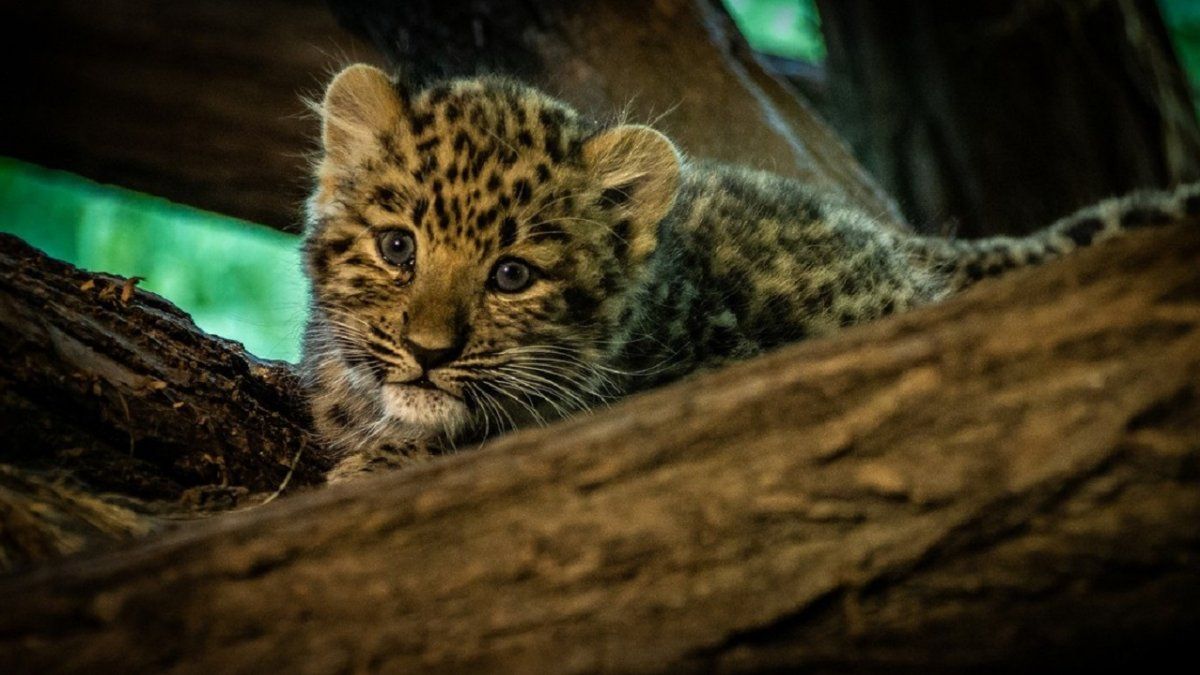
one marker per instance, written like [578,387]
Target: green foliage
[236,279]
[788,28]
[1183,21]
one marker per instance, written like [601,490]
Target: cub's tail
[966,261]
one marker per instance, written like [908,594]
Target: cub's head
[472,248]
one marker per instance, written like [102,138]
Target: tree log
[1005,480]
[119,388]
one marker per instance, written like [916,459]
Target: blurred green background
[243,281]
[237,279]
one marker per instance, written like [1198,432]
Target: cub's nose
[432,357]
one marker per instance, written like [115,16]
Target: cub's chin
[424,412]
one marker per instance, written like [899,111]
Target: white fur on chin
[426,411]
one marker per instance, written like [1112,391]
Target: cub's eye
[397,247]
[512,276]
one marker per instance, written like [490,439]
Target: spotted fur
[647,265]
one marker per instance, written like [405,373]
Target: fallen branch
[1006,479]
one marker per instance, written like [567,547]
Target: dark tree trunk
[1006,481]
[680,64]
[198,101]
[998,116]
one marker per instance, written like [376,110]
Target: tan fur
[643,266]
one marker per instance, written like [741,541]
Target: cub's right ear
[360,102]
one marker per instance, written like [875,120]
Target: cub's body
[482,257]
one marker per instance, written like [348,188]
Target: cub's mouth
[423,382]
[423,407]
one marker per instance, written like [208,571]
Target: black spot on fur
[486,219]
[418,123]
[478,159]
[386,198]
[439,209]
[339,415]
[508,232]
[974,270]
[339,246]
[1191,205]
[453,113]
[615,196]
[773,332]
[522,192]
[543,173]
[551,119]
[553,147]
[581,305]
[1144,217]
[461,141]
[1083,232]
[439,94]
[493,183]
[620,239]
[525,138]
[420,207]
[548,231]
[425,146]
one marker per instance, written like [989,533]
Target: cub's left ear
[637,171]
[359,102]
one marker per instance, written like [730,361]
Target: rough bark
[119,388]
[680,64]
[998,116]
[198,101]
[1004,480]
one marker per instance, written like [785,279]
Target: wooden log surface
[119,388]
[1005,480]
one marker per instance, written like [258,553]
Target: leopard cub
[482,257]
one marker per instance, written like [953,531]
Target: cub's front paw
[385,457]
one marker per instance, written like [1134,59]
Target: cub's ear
[636,170]
[360,102]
